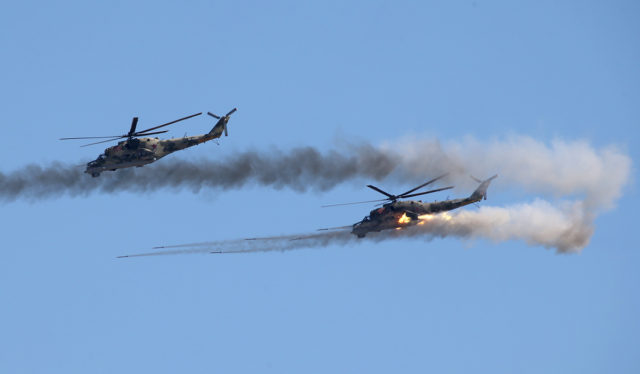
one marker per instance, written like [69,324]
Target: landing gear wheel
[94,174]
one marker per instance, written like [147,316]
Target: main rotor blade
[104,141]
[382,192]
[422,185]
[231,112]
[95,137]
[150,133]
[169,123]
[134,123]
[213,115]
[359,202]
[426,192]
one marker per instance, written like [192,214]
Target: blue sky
[310,73]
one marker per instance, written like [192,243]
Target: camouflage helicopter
[138,149]
[397,214]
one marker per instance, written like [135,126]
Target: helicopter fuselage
[141,151]
[138,149]
[398,214]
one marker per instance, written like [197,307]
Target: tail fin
[481,192]
[221,125]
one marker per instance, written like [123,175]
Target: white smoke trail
[558,169]
[577,180]
[563,227]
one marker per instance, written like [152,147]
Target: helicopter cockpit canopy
[98,161]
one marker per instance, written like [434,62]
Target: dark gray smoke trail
[299,169]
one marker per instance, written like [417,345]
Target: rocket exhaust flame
[446,216]
[404,219]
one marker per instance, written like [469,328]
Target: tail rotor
[223,120]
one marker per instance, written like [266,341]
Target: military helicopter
[139,150]
[397,214]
